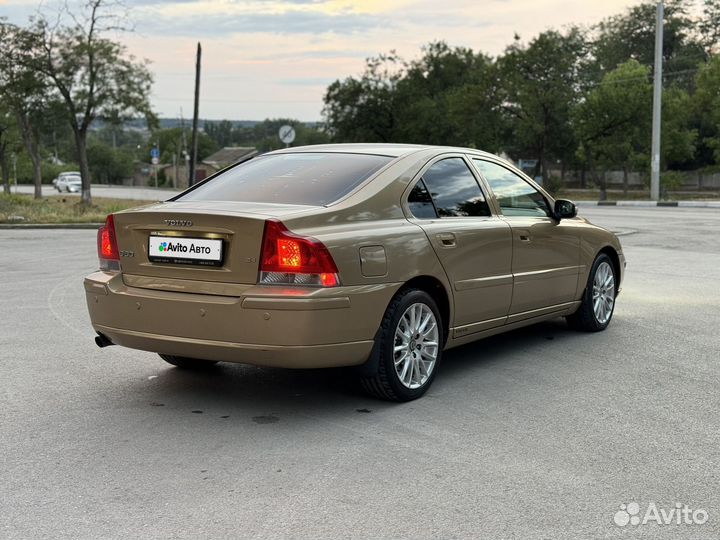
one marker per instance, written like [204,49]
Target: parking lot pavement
[109,191]
[541,433]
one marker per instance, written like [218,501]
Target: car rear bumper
[264,325]
[285,356]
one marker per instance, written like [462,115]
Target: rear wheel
[188,363]
[598,300]
[408,348]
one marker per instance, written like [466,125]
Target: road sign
[286,134]
[155,160]
[154,153]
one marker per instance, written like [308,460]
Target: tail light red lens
[291,259]
[107,246]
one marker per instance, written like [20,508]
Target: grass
[60,209]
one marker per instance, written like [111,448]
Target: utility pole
[193,144]
[657,106]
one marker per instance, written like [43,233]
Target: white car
[71,183]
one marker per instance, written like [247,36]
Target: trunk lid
[236,227]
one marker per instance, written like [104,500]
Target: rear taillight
[107,246]
[291,259]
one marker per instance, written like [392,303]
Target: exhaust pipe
[101,340]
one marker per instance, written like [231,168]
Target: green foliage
[60,209]
[631,36]
[540,82]
[671,180]
[365,109]
[613,123]
[108,165]
[176,141]
[678,138]
[447,96]
[553,185]
[706,104]
[49,171]
[220,132]
[263,135]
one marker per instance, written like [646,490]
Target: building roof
[230,155]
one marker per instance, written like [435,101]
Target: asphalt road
[541,433]
[110,191]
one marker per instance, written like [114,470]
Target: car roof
[381,149]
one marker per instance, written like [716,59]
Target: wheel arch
[437,291]
[611,252]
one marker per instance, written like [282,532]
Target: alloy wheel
[603,292]
[416,346]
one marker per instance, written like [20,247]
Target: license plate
[181,250]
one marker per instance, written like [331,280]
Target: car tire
[406,361]
[184,362]
[598,299]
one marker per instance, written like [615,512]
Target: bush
[553,185]
[671,180]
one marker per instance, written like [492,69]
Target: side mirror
[565,209]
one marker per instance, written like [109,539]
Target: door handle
[446,239]
[524,235]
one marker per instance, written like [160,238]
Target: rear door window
[312,179]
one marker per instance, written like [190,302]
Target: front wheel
[598,300]
[184,362]
[407,349]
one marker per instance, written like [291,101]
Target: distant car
[72,183]
[59,176]
[379,256]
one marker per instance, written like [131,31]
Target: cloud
[306,81]
[288,22]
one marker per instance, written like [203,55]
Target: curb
[653,204]
[50,225]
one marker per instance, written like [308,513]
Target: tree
[631,36]
[92,74]
[174,141]
[265,134]
[709,26]
[221,132]
[364,109]
[706,106]
[613,121]
[8,143]
[23,91]
[679,138]
[540,82]
[107,164]
[449,96]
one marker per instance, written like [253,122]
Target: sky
[275,58]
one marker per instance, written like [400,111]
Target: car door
[472,244]
[546,252]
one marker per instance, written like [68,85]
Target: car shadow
[503,347]
[264,395]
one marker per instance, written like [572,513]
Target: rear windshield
[307,179]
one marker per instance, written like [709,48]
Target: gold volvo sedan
[371,255]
